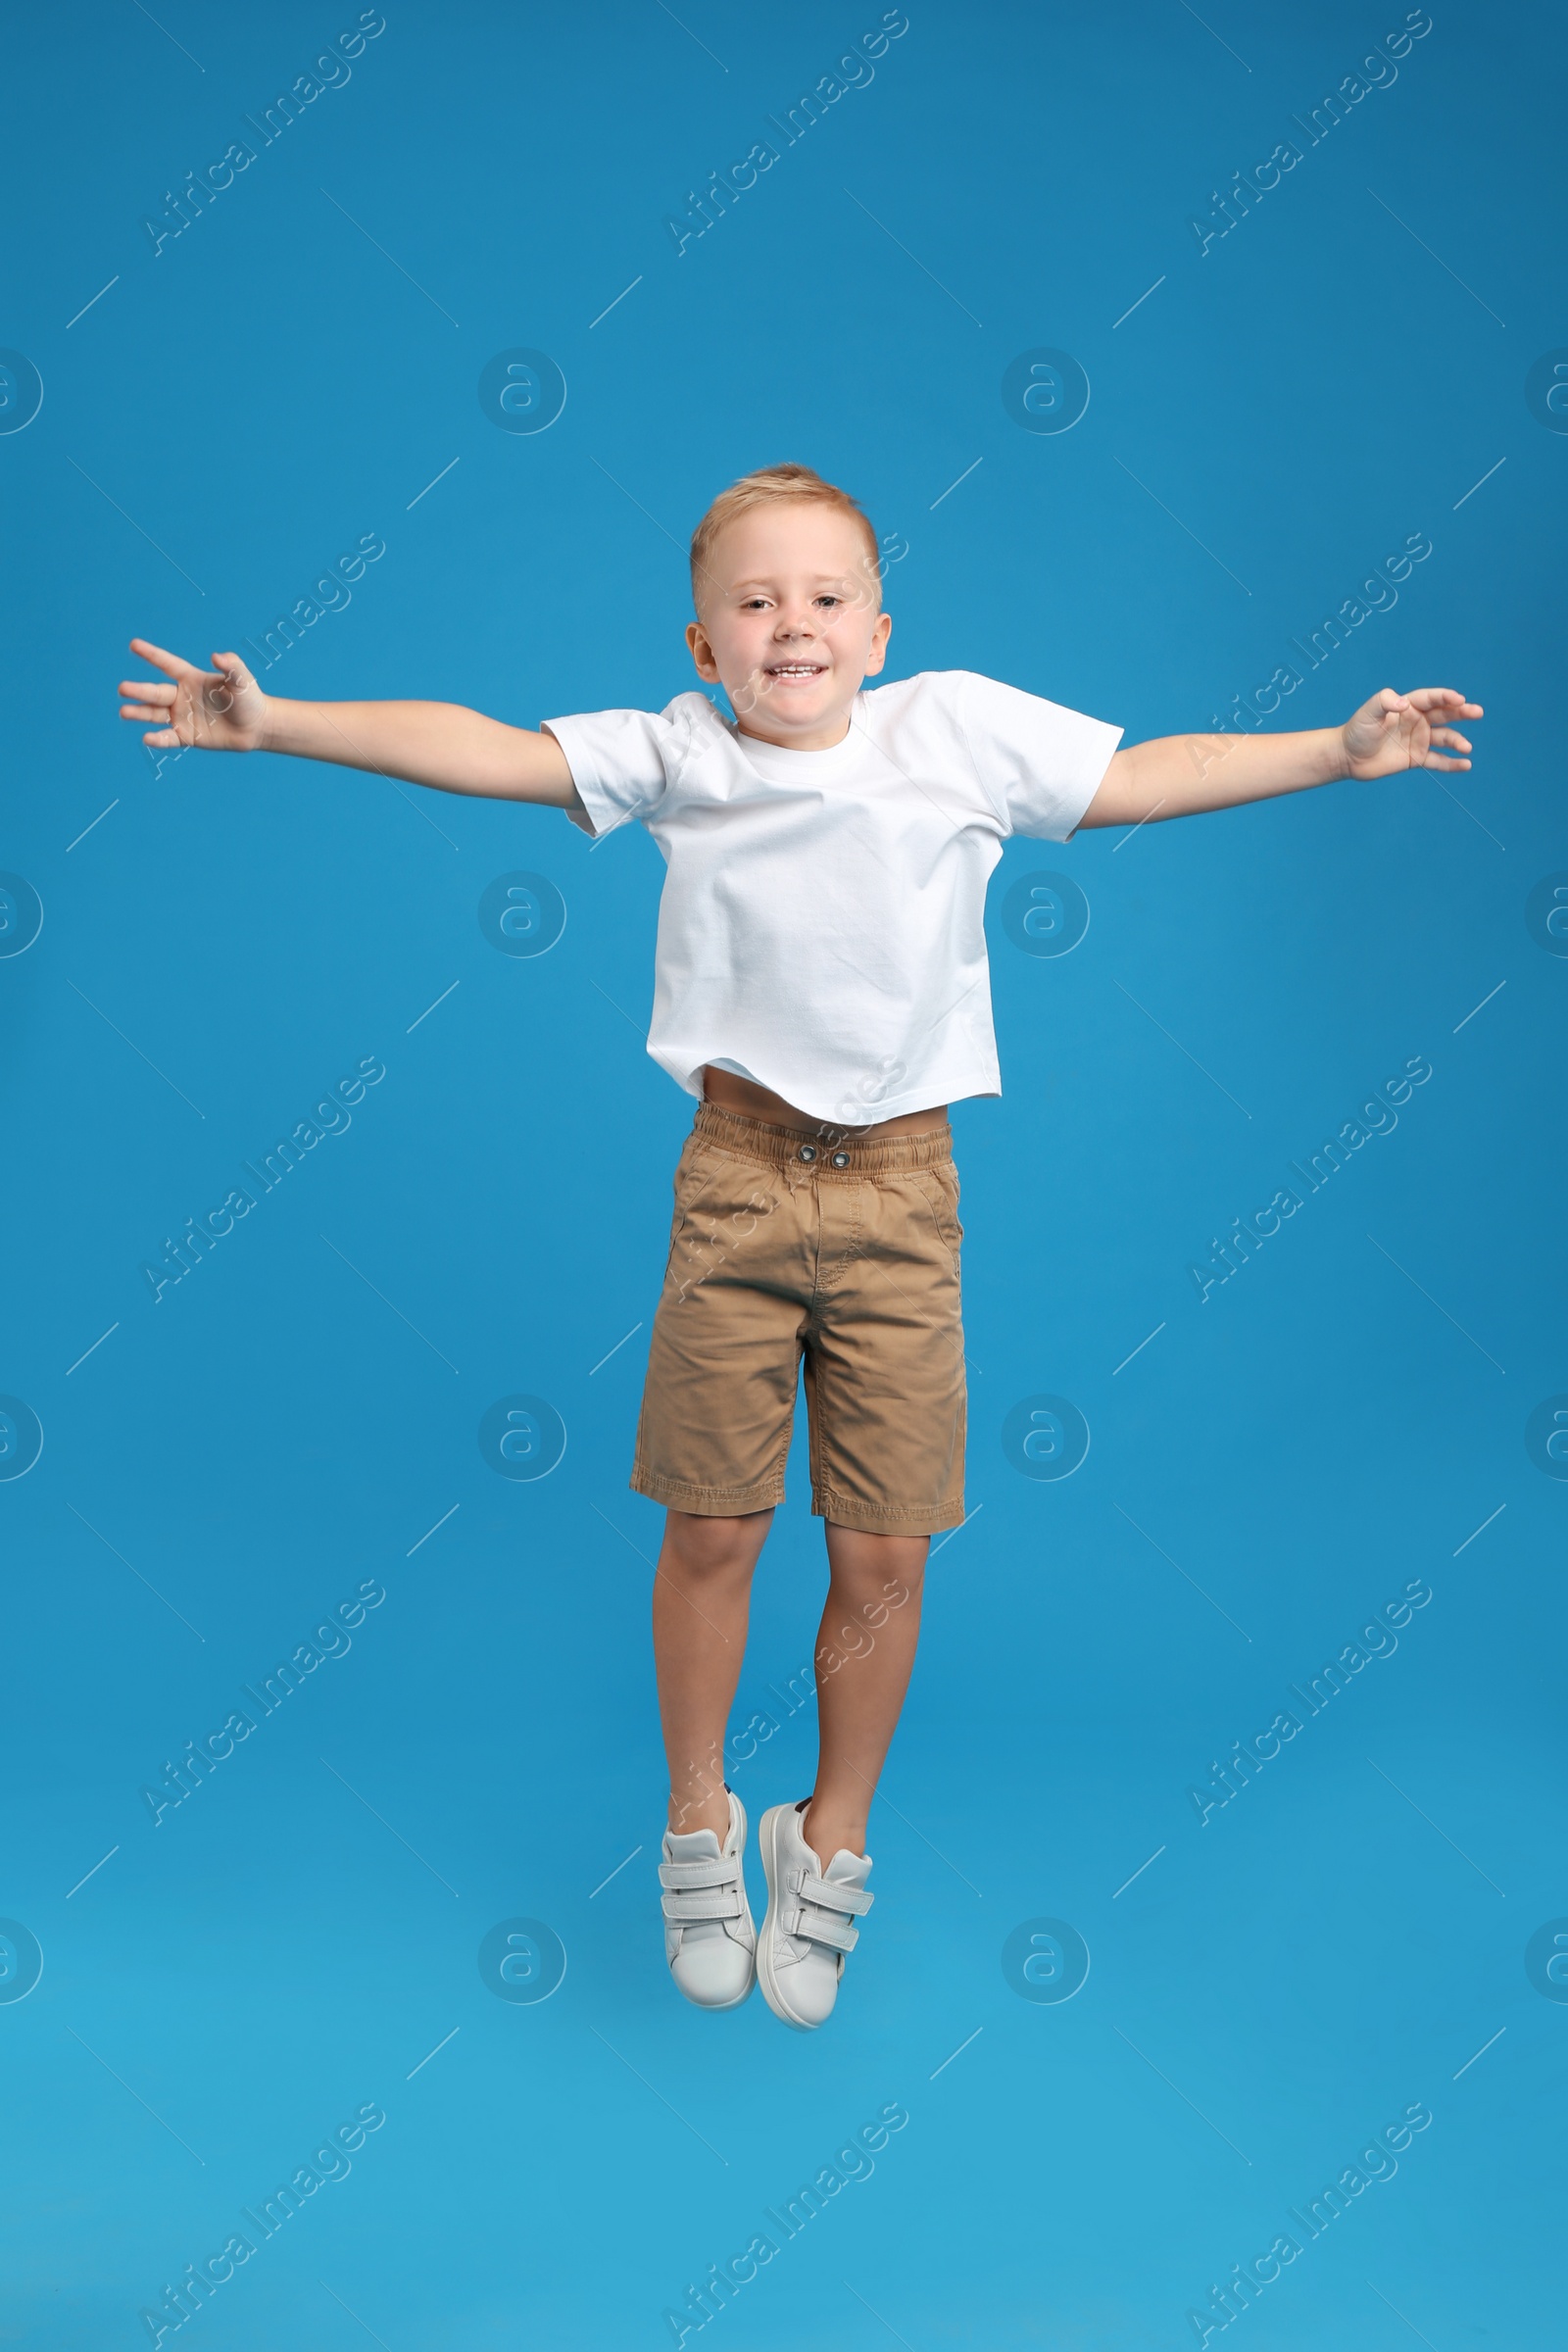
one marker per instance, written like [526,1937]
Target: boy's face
[790,622]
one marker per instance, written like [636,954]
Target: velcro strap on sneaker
[708,1870]
[694,1903]
[833,1897]
[823,1927]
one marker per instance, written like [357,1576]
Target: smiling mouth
[796,669]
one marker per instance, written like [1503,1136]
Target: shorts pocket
[692,1171]
[940,1185]
[729,1194]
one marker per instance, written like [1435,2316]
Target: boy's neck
[824,738]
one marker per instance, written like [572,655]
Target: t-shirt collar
[779,762]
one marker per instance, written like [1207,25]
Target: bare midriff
[752,1102]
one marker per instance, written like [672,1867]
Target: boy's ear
[702,653]
[879,643]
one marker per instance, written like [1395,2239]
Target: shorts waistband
[801,1151]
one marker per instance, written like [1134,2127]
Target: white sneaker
[809,1926]
[709,1939]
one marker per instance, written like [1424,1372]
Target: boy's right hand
[218,709]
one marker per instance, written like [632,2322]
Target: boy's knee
[714,1547]
[877,1574]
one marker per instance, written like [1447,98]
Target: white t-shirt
[821,927]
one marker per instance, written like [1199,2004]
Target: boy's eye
[831,600]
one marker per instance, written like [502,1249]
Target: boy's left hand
[1395,732]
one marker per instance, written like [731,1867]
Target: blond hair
[774,486]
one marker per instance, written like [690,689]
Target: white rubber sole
[745,1993]
[766,1840]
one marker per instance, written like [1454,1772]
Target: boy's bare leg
[864,1651]
[701,1600]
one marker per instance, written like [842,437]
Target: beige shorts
[844,1255]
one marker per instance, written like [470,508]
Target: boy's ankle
[827,1835]
[689,1813]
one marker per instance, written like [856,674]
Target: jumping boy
[821,987]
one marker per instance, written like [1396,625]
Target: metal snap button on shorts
[842,1253]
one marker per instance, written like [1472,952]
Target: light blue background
[1275,418]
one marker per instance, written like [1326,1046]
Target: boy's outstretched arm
[457,750]
[1179,775]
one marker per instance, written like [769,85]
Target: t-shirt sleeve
[1041,763]
[623,763]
